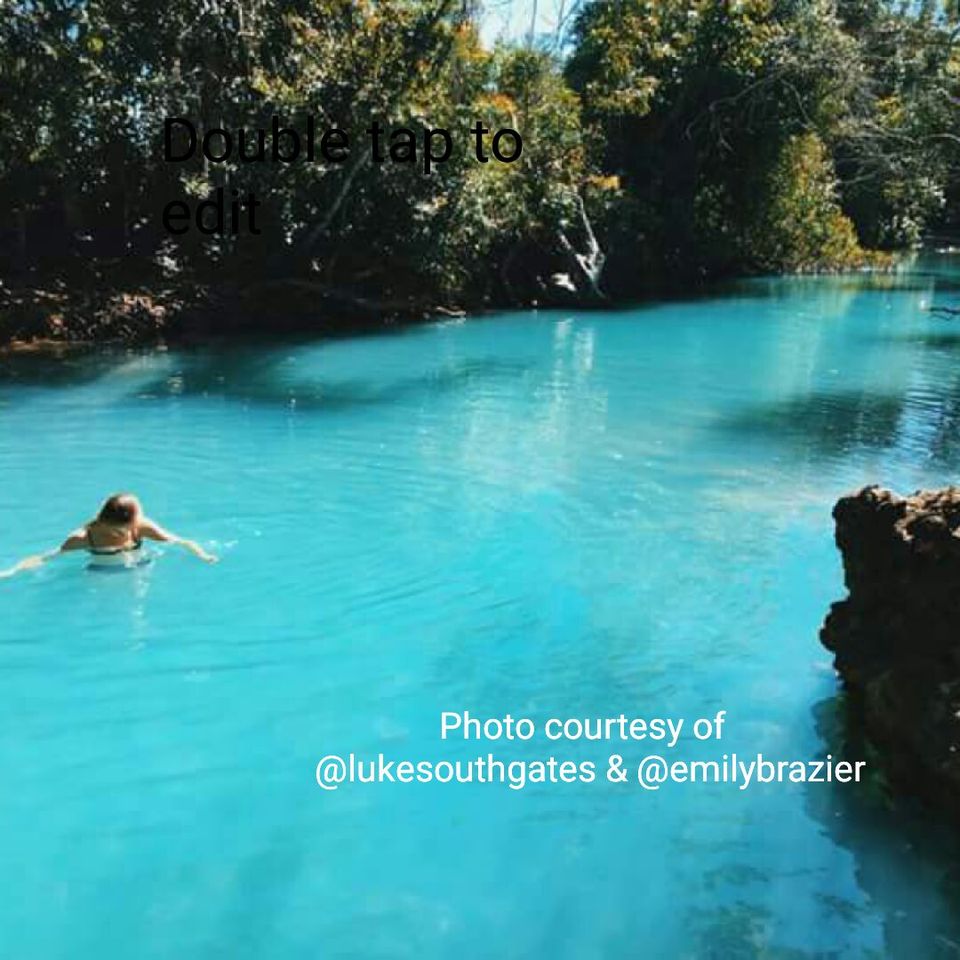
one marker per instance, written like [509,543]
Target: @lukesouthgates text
[626,767]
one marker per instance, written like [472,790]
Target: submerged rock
[896,638]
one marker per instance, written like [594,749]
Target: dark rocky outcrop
[897,636]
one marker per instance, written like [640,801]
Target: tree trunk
[587,267]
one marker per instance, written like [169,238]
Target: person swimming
[114,538]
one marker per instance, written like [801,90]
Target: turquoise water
[546,514]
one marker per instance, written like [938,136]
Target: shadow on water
[899,856]
[776,287]
[900,852]
[72,366]
[256,376]
[825,424]
[833,293]
[932,339]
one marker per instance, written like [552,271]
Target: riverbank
[96,308]
[35,316]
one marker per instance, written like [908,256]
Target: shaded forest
[665,142]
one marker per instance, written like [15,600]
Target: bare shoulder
[153,531]
[77,540]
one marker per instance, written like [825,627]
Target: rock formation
[896,637]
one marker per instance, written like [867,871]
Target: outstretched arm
[153,531]
[76,541]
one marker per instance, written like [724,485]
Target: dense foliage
[770,134]
[663,139]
